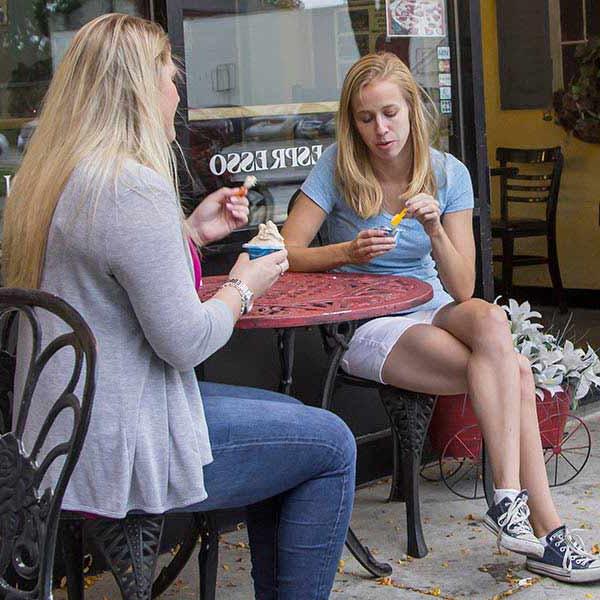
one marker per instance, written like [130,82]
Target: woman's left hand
[426,209]
[219,214]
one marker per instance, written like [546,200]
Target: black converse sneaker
[509,520]
[565,559]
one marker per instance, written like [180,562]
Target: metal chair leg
[130,547]
[70,535]
[208,557]
[507,265]
[553,267]
[410,414]
[169,573]
[397,489]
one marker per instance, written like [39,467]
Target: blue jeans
[293,466]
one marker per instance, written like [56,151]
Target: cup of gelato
[267,240]
[389,231]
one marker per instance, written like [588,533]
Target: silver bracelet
[244,291]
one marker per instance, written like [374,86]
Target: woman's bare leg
[468,348]
[544,517]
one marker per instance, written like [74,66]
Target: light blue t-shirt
[412,255]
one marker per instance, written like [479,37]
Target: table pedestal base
[363,555]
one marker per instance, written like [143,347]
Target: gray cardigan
[126,267]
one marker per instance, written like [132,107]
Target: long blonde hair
[102,106]
[354,173]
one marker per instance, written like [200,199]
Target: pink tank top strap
[196,264]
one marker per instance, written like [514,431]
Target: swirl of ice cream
[249,182]
[268,236]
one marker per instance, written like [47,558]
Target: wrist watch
[246,294]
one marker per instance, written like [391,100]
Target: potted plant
[578,106]
[563,375]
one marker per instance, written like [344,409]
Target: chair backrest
[29,515]
[322,237]
[538,181]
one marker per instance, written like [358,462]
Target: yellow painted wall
[579,204]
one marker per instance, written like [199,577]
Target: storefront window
[34,35]
[264,76]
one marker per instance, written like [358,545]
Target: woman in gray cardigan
[94,218]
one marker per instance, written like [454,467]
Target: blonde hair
[102,106]
[354,173]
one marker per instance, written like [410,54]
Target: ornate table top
[301,299]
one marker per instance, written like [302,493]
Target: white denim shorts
[373,341]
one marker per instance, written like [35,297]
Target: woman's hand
[261,273]
[368,244]
[426,209]
[219,214]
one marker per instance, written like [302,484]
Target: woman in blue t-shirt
[382,164]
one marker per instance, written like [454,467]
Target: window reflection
[34,35]
[263,81]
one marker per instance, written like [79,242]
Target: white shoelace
[516,519]
[574,550]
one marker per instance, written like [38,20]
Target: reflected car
[309,129]
[271,128]
[316,127]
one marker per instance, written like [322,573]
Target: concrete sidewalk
[463,561]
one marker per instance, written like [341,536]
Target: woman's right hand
[261,273]
[368,244]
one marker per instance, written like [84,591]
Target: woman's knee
[339,438]
[491,330]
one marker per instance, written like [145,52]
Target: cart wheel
[566,451]
[460,463]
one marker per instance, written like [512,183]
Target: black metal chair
[409,415]
[529,176]
[30,517]
[29,509]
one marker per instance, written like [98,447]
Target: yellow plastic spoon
[397,218]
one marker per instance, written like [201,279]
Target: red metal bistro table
[335,301]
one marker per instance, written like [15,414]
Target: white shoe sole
[519,546]
[571,576]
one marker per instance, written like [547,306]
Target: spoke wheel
[566,447]
[460,463]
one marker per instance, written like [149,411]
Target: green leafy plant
[556,363]
[578,107]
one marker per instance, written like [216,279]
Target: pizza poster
[415,18]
